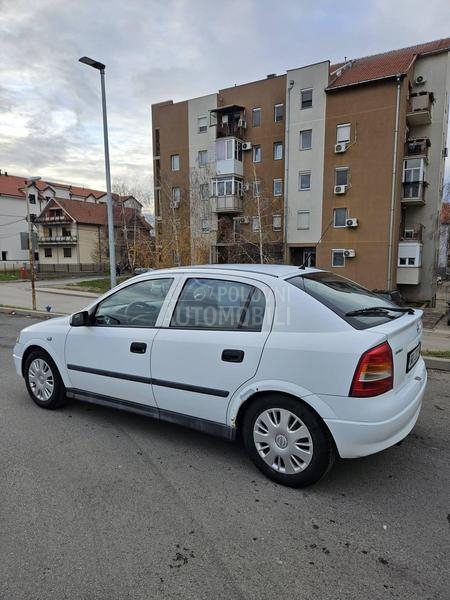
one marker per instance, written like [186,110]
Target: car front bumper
[361,438]
[17,357]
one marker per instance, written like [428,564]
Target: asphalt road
[99,504]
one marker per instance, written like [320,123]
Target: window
[256,117]
[227,186]
[219,304]
[342,295]
[278,111]
[176,197]
[341,176]
[4,255]
[303,219]
[136,305]
[32,198]
[256,154]
[256,186]
[306,139]
[306,98]
[175,162]
[47,252]
[256,225]
[276,222]
[204,191]
[343,133]
[227,149]
[339,217]
[277,187]
[67,252]
[202,158]
[413,170]
[278,151]
[304,181]
[202,123]
[205,226]
[337,258]
[66,232]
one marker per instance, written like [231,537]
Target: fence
[72,268]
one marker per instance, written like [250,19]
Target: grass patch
[437,353]
[8,277]
[96,286]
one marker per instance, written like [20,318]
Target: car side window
[137,305]
[219,304]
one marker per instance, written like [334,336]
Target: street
[100,504]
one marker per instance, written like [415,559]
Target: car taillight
[374,374]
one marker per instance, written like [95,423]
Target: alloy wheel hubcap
[283,441]
[41,380]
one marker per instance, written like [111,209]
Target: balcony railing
[417,147]
[229,130]
[419,108]
[54,219]
[413,192]
[228,204]
[411,233]
[57,239]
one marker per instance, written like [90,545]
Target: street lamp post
[112,249]
[30,244]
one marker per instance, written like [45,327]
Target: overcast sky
[50,119]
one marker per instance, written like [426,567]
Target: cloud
[50,111]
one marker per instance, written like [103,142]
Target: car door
[210,343]
[111,356]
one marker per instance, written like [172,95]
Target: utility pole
[30,245]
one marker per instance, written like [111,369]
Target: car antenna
[305,262]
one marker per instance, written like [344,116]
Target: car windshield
[344,296]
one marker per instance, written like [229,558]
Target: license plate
[413,357]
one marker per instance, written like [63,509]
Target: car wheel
[43,380]
[287,441]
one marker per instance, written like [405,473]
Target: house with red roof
[70,223]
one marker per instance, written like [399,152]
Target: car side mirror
[80,319]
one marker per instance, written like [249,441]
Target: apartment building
[59,246]
[339,166]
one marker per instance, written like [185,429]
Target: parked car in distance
[301,364]
[141,270]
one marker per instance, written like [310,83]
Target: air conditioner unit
[247,186]
[349,253]
[342,147]
[242,123]
[420,80]
[175,204]
[351,222]
[159,218]
[245,220]
[246,146]
[340,189]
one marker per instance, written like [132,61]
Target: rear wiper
[378,310]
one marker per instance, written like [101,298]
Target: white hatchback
[301,364]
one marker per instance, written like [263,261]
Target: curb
[63,292]
[441,364]
[42,314]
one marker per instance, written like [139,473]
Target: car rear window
[342,296]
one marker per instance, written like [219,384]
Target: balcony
[411,233]
[228,204]
[229,121]
[419,109]
[413,193]
[57,239]
[229,157]
[417,147]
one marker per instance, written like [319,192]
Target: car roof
[278,271]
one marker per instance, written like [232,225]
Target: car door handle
[138,347]
[235,356]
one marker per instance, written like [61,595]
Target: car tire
[287,440]
[43,381]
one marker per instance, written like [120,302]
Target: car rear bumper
[361,438]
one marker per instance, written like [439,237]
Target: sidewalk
[18,294]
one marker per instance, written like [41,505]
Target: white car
[301,364]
